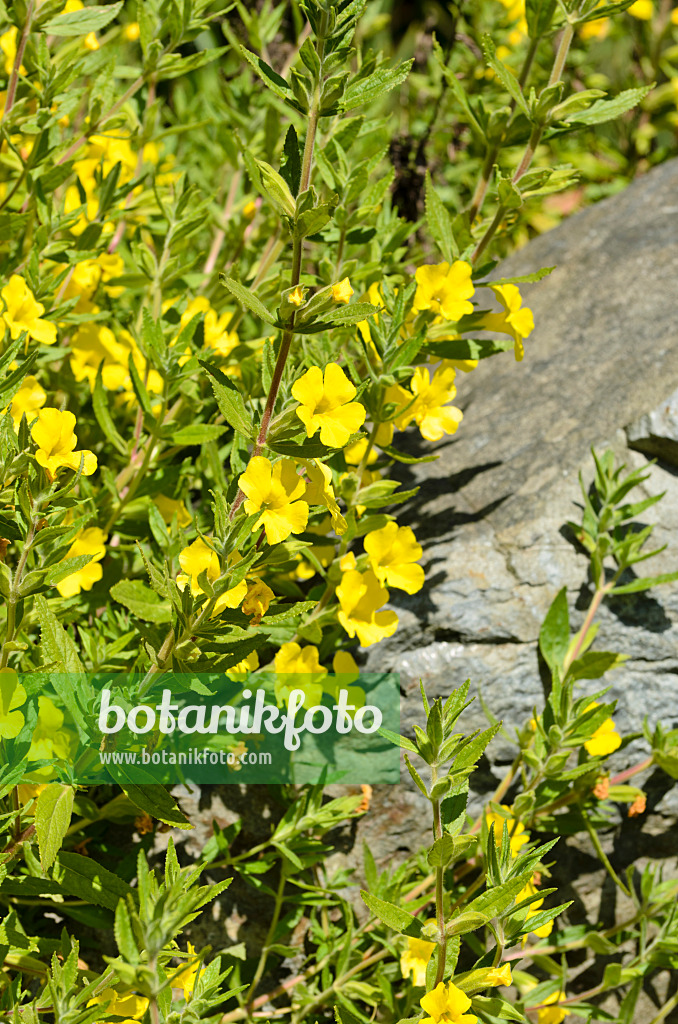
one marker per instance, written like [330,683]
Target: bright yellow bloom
[29,791]
[326,404]
[244,667]
[516,320]
[499,975]
[298,668]
[50,739]
[444,289]
[360,596]
[674,16]
[94,344]
[642,9]
[605,739]
[169,507]
[186,977]
[29,399]
[197,558]
[12,696]
[353,455]
[393,553]
[552,1014]
[342,291]
[54,435]
[257,601]
[296,297]
[132,32]
[249,209]
[274,490]
[345,665]
[122,1004]
[91,41]
[518,837]
[8,42]
[218,337]
[414,960]
[430,410]
[91,541]
[375,297]
[533,909]
[346,672]
[23,312]
[319,491]
[347,561]
[447,1004]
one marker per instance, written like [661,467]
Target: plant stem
[590,615]
[602,855]
[14,78]
[440,892]
[263,958]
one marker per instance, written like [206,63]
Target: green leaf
[554,635]
[440,223]
[470,921]
[352,314]
[66,568]
[381,81]
[399,741]
[396,918]
[609,110]
[539,15]
[197,433]
[80,23]
[152,798]
[230,401]
[506,77]
[83,878]
[594,664]
[248,299]
[646,583]
[606,11]
[409,460]
[495,1008]
[52,819]
[141,601]
[57,644]
[124,934]
[441,853]
[532,278]
[103,415]
[266,73]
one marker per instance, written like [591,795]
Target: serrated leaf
[52,819]
[198,433]
[248,299]
[141,601]
[152,798]
[83,878]
[554,635]
[103,415]
[396,918]
[80,23]
[231,403]
[645,584]
[609,110]
[381,81]
[440,223]
[266,73]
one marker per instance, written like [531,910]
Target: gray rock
[656,434]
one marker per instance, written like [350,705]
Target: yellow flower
[326,405]
[197,558]
[257,601]
[342,291]
[552,1014]
[54,436]
[296,297]
[8,46]
[674,16]
[28,791]
[360,596]
[186,977]
[375,297]
[516,320]
[346,672]
[23,313]
[446,1004]
[249,209]
[605,739]
[12,696]
[319,491]
[518,837]
[169,507]
[642,9]
[347,561]
[131,32]
[499,975]
[217,335]
[353,455]
[429,410]
[50,739]
[533,909]
[91,541]
[345,665]
[393,553]
[29,399]
[91,41]
[244,667]
[298,668]
[444,289]
[414,960]
[274,490]
[122,1004]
